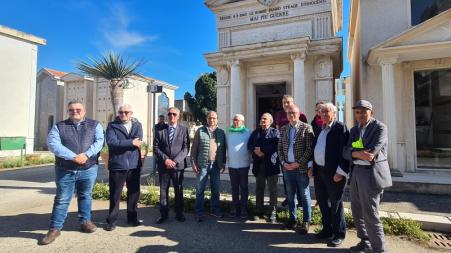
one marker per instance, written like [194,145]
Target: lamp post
[154,89]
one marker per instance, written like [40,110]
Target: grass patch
[15,162]
[151,196]
[407,227]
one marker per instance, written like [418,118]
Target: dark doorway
[269,99]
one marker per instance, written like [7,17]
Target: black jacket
[267,141]
[316,128]
[335,142]
[122,154]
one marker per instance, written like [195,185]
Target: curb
[433,223]
[26,167]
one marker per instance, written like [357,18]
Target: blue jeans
[67,181]
[295,180]
[211,170]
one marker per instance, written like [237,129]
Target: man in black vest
[124,138]
[76,143]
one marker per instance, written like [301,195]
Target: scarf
[318,121]
[240,129]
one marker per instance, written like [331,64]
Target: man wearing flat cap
[370,175]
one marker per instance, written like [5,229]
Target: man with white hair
[238,163]
[124,139]
[330,169]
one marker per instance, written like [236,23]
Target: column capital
[388,60]
[298,56]
[233,62]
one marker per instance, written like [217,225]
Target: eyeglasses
[123,112]
[292,112]
[172,114]
[236,119]
[74,110]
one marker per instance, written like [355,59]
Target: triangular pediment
[434,30]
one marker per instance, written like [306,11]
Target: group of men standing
[324,150]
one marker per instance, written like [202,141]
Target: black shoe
[180,218]
[135,223]
[324,235]
[290,225]
[218,215]
[303,229]
[335,242]
[199,218]
[361,247]
[161,220]
[285,202]
[110,226]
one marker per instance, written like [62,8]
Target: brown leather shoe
[88,227]
[51,235]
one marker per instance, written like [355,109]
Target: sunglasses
[123,112]
[74,110]
[172,114]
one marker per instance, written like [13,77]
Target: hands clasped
[80,159]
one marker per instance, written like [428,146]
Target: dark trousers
[330,200]
[261,180]
[239,182]
[117,179]
[165,178]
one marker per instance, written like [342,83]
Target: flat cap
[363,104]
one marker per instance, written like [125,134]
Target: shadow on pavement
[43,190]
[224,235]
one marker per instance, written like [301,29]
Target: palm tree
[114,68]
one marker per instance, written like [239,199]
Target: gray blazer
[375,139]
[176,152]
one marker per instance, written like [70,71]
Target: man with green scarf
[238,165]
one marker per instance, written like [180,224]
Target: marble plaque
[271,33]
[281,10]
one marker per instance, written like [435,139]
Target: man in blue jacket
[124,138]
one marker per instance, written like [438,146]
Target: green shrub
[101,191]
[14,162]
[407,227]
[392,226]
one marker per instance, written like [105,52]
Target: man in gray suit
[171,146]
[370,175]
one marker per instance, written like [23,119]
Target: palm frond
[113,67]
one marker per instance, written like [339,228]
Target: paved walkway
[20,232]
[26,197]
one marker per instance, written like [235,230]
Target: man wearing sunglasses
[124,139]
[76,143]
[171,146]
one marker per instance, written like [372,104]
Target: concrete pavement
[26,197]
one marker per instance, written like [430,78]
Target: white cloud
[116,30]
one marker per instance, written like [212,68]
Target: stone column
[299,80]
[389,108]
[235,87]
[223,100]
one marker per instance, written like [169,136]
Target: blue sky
[171,36]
